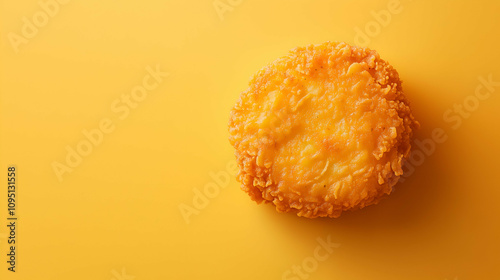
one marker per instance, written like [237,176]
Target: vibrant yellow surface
[118,212]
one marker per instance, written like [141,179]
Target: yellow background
[119,209]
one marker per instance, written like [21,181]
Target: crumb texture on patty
[322,130]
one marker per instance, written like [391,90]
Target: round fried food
[322,130]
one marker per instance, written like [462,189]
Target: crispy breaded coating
[322,130]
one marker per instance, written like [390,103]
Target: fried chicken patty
[322,130]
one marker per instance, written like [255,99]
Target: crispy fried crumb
[322,130]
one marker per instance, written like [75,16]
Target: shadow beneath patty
[415,208]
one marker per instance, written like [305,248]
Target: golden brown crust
[323,130]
